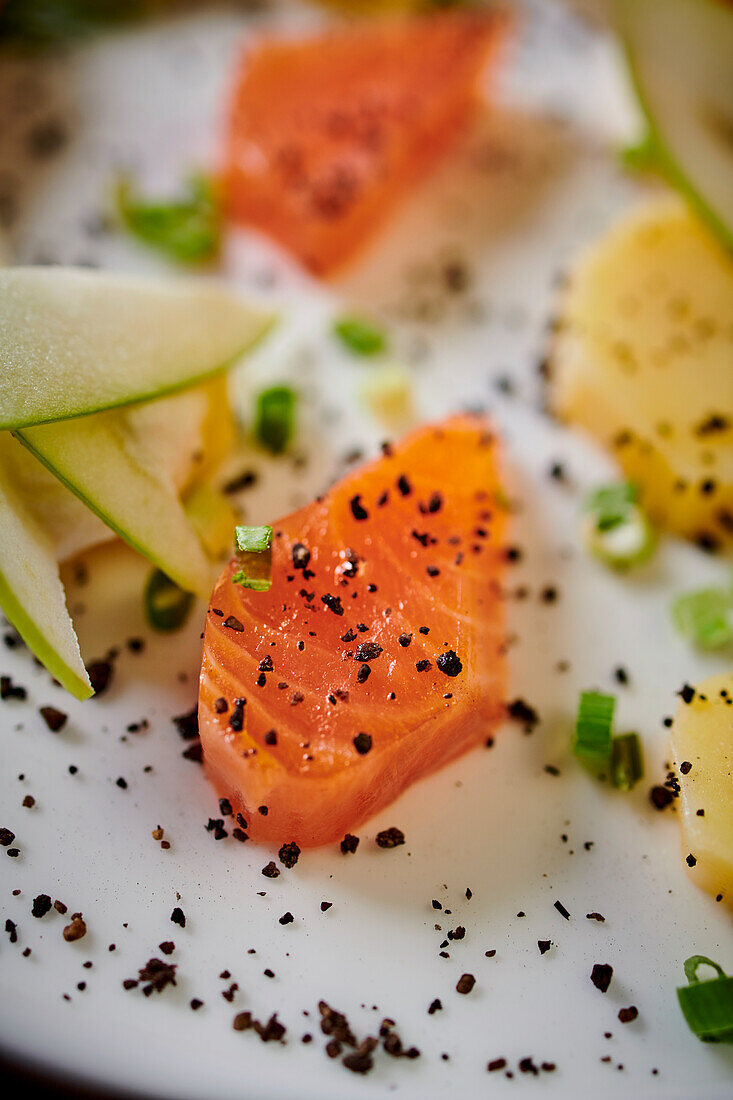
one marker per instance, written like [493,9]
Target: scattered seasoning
[390,838]
[100,676]
[270,870]
[496,1064]
[544,946]
[358,511]
[325,906]
[449,663]
[404,639]
[54,719]
[685,767]
[562,910]
[363,674]
[156,973]
[333,603]
[690,860]
[434,1006]
[167,947]
[686,693]
[187,724]
[76,930]
[626,1015]
[465,983]
[422,666]
[368,651]
[9,690]
[233,624]
[178,917]
[41,905]
[12,929]
[236,718]
[289,854]
[520,711]
[404,485]
[349,844]
[286,918]
[661,797]
[29,802]
[596,916]
[362,743]
[601,975]
[7,836]
[196,1003]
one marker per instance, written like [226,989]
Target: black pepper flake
[390,838]
[262,810]
[194,752]
[496,1064]
[562,910]
[121,783]
[301,556]
[404,485]
[544,946]
[12,929]
[295,698]
[236,718]
[289,854]
[436,904]
[449,663]
[686,693]
[363,674]
[240,835]
[225,807]
[349,636]
[432,571]
[361,1060]
[9,690]
[422,666]
[596,916]
[100,676]
[685,767]
[661,797]
[333,603]
[271,737]
[178,917]
[196,1003]
[167,947]
[601,975]
[404,640]
[157,974]
[349,844]
[368,651]
[526,1065]
[325,906]
[54,719]
[233,624]
[362,743]
[188,724]
[520,711]
[41,905]
[626,1015]
[465,983]
[270,870]
[690,860]
[7,836]
[434,1006]
[358,510]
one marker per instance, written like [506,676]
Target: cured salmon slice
[378,653]
[327,133]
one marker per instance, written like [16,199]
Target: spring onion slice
[359,336]
[253,540]
[707,1005]
[274,417]
[616,529]
[166,605]
[705,616]
[592,740]
[254,554]
[187,229]
[627,761]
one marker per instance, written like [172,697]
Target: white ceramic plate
[536,180]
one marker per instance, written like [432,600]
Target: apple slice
[31,593]
[100,459]
[680,54]
[74,342]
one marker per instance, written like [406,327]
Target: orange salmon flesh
[378,653]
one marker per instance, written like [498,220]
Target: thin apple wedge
[75,342]
[31,594]
[102,462]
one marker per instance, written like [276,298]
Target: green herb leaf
[187,230]
[592,739]
[707,1005]
[705,616]
[166,605]
[253,540]
[258,584]
[360,336]
[274,417]
[40,22]
[616,529]
[627,761]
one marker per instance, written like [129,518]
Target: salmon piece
[378,653]
[327,133]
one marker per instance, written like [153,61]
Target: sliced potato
[702,737]
[643,360]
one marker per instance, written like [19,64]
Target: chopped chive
[274,416]
[166,605]
[187,229]
[360,336]
[592,740]
[707,1005]
[705,616]
[254,555]
[616,528]
[627,761]
[253,540]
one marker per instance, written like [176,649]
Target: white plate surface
[537,179]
